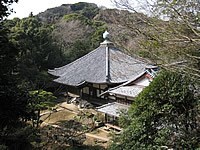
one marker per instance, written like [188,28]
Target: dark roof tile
[93,66]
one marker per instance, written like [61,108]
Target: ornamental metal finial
[106,35]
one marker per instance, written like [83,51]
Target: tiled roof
[131,91]
[113,109]
[106,64]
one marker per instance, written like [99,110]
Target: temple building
[124,94]
[105,75]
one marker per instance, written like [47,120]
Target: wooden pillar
[81,93]
[106,118]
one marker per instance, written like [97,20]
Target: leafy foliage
[164,115]
[40,100]
[74,16]
[37,51]
[68,132]
[14,113]
[4,8]
[79,46]
[13,101]
[20,137]
[86,9]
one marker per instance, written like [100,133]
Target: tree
[88,10]
[79,49]
[66,133]
[70,134]
[4,8]
[14,132]
[174,35]
[165,115]
[37,50]
[40,100]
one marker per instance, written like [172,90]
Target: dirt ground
[54,117]
[64,112]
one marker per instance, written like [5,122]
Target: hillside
[77,29]
[84,23]
[78,21]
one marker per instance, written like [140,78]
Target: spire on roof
[106,36]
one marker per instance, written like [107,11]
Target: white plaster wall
[143,82]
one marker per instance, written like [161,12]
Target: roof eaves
[123,84]
[112,108]
[134,78]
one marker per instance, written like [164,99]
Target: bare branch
[183,18]
[191,56]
